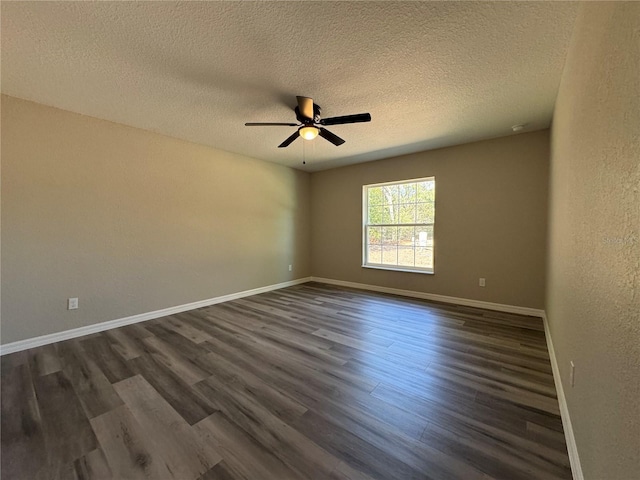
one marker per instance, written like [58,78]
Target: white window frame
[366,224]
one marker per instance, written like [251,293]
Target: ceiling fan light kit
[308,133]
[308,114]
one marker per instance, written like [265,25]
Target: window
[398,225]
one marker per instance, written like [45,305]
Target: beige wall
[593,296]
[130,221]
[491,220]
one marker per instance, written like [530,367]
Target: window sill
[398,269]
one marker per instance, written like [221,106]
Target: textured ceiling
[431,74]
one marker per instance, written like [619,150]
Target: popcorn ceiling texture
[593,291]
[432,74]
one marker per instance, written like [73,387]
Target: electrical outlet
[572,374]
[290,267]
[482,282]
[72,304]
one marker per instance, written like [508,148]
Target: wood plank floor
[307,382]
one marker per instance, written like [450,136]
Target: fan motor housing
[309,121]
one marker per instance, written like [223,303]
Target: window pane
[373,235]
[424,257]
[390,193]
[407,213]
[389,235]
[424,247]
[405,236]
[389,213]
[406,256]
[375,214]
[426,191]
[374,196]
[424,236]
[374,254]
[425,213]
[390,254]
[407,193]
[390,245]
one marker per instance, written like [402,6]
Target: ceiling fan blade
[262,124]
[357,118]
[305,105]
[333,138]
[289,140]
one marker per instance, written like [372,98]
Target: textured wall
[593,297]
[491,220]
[130,221]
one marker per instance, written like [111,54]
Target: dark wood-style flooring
[307,382]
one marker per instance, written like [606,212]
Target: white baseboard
[574,458]
[572,448]
[533,312]
[120,322]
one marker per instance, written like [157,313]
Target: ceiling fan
[308,114]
